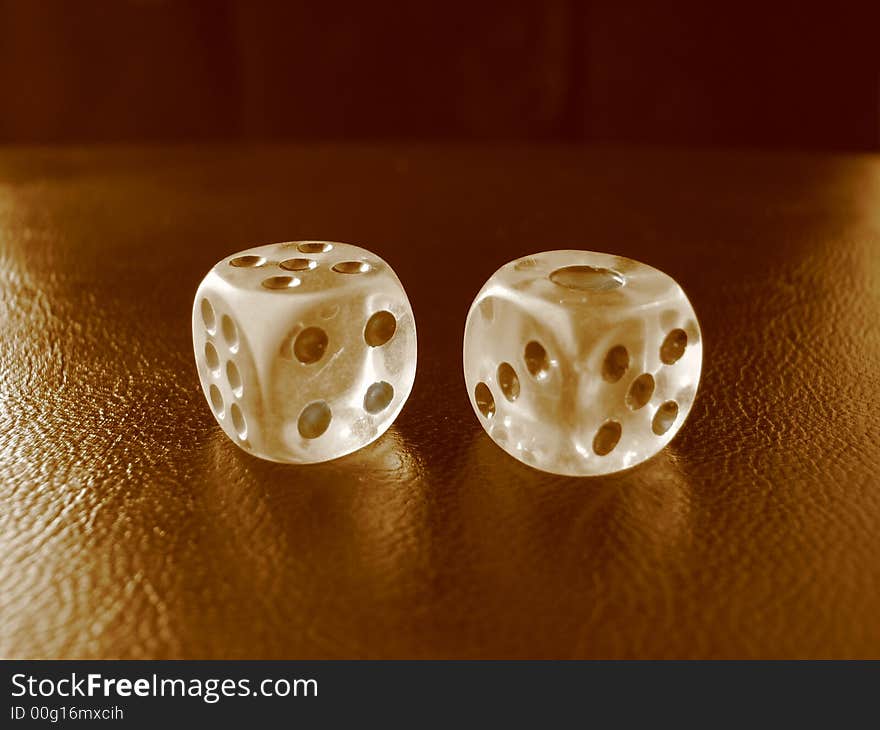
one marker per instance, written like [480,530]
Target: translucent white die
[581,363]
[305,350]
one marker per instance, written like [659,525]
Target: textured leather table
[132,528]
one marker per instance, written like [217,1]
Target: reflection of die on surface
[306,351]
[581,363]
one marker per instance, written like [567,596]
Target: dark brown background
[781,73]
[131,527]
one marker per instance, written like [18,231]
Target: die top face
[302,268]
[321,367]
[581,363]
[583,283]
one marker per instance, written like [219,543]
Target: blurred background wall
[773,74]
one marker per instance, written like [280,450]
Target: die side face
[333,341]
[580,363]
[226,367]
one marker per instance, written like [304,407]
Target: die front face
[581,363]
[323,353]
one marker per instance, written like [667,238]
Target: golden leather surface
[132,528]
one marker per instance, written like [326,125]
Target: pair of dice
[576,363]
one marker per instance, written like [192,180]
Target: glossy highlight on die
[305,350]
[581,363]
